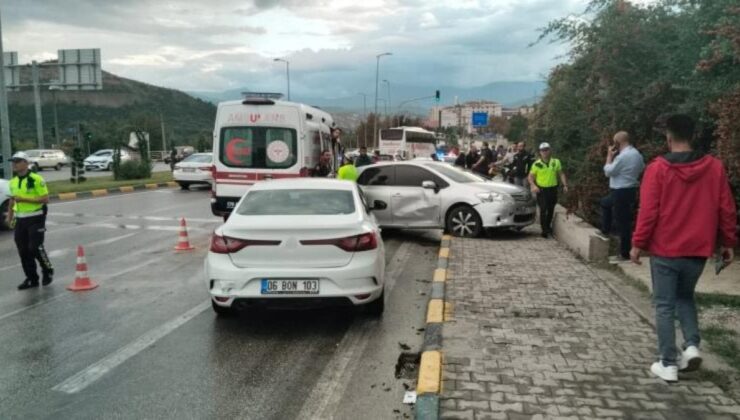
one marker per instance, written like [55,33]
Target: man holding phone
[624,165]
[686,207]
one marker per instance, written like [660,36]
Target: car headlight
[490,197]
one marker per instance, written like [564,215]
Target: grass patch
[97,183]
[724,343]
[713,299]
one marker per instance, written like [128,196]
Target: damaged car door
[411,203]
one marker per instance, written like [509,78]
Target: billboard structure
[80,69]
[12,72]
[480,119]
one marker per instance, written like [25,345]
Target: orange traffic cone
[183,243]
[82,281]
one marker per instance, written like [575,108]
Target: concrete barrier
[579,236]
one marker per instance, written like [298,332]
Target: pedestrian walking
[686,208]
[337,147]
[363,159]
[545,176]
[520,165]
[173,159]
[27,211]
[624,165]
[323,169]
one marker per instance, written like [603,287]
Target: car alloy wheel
[464,221]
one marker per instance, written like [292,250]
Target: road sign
[80,69]
[12,71]
[480,119]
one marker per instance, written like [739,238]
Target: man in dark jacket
[686,208]
[520,165]
[363,159]
[323,169]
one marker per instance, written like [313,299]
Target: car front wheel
[464,221]
[184,185]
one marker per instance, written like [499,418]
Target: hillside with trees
[631,65]
[109,115]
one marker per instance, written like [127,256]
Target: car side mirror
[379,205]
[430,185]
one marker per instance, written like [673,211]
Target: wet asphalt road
[146,344]
[64,174]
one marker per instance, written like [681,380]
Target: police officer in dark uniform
[27,211]
[323,169]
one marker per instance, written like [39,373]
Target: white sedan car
[194,169]
[431,195]
[300,241]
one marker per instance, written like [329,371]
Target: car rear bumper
[192,177]
[359,282]
[503,215]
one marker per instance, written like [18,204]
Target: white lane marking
[148,218]
[67,293]
[56,253]
[92,373]
[327,394]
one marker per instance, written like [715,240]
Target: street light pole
[4,119]
[364,116]
[388,85]
[54,89]
[377,77]
[287,72]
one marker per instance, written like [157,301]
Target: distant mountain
[105,114]
[509,94]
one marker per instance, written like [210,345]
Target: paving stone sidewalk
[535,334]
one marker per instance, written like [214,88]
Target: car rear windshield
[198,158]
[258,147]
[304,202]
[455,174]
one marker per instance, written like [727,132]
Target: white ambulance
[262,137]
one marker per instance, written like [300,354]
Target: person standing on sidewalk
[520,165]
[29,197]
[543,177]
[624,165]
[686,206]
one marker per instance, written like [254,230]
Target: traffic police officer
[543,177]
[27,210]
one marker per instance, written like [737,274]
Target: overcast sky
[331,44]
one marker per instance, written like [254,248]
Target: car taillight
[364,242]
[225,245]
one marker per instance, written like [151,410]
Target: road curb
[429,384]
[108,191]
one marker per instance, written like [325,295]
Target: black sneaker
[47,279]
[27,284]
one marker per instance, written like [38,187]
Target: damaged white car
[434,195]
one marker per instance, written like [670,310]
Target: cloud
[331,44]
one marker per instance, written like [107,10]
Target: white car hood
[98,158]
[500,187]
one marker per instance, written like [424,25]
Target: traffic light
[53,131]
[436,96]
[88,136]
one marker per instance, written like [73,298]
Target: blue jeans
[619,205]
[674,281]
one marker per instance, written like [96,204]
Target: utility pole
[164,136]
[364,116]
[54,89]
[4,119]
[37,104]
[377,77]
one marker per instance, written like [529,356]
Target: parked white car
[299,241]
[41,159]
[4,203]
[194,169]
[423,194]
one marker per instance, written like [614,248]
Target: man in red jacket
[686,207]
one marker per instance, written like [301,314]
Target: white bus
[260,138]
[407,142]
